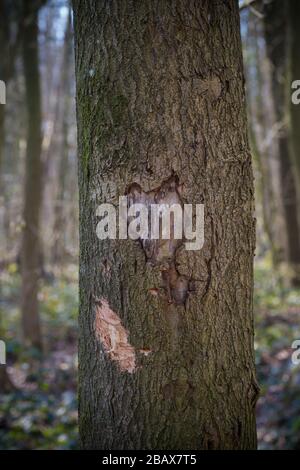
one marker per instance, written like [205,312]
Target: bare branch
[249,4]
[246,4]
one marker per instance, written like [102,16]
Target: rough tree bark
[160,94]
[30,253]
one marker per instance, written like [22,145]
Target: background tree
[10,34]
[276,28]
[9,42]
[294,74]
[160,93]
[59,243]
[263,129]
[31,248]
[57,290]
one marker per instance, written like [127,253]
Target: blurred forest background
[39,220]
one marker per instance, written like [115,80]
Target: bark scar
[176,286]
[169,192]
[161,252]
[114,337]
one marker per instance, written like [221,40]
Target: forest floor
[277,326]
[41,413]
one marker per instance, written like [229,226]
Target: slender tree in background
[276,29]
[263,131]
[9,42]
[55,76]
[10,38]
[31,249]
[160,102]
[294,41]
[59,248]
[4,25]
[9,18]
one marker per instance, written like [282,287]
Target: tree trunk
[7,54]
[277,50]
[4,39]
[9,42]
[161,102]
[31,254]
[6,385]
[261,127]
[59,243]
[294,38]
